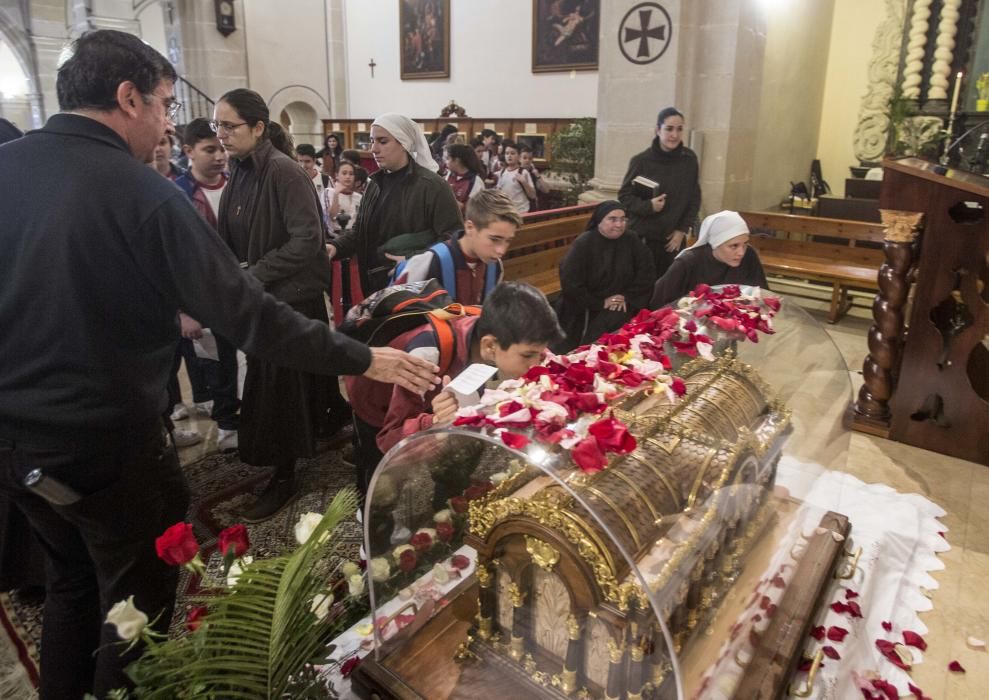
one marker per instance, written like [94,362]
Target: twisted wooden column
[916,44]
[902,230]
[944,52]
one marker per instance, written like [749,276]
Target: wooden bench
[541,243]
[844,254]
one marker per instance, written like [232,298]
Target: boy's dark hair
[506,144]
[99,62]
[306,149]
[197,130]
[352,155]
[516,312]
[360,176]
[251,108]
[485,133]
[524,148]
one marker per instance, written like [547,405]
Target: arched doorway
[301,120]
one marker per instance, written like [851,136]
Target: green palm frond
[259,635]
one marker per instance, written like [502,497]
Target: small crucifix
[371,65]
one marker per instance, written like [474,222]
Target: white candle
[954,96]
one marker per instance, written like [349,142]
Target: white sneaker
[226,440]
[180,412]
[203,409]
[183,438]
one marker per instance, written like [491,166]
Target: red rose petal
[818,632]
[849,594]
[771,610]
[349,665]
[778,581]
[914,640]
[886,688]
[853,609]
[831,652]
[886,647]
[460,562]
[764,602]
[917,692]
[514,440]
[888,626]
[839,607]
[837,634]
[588,456]
[956,667]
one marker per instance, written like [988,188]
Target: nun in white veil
[721,255]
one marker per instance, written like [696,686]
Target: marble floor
[961,488]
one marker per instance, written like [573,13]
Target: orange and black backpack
[387,314]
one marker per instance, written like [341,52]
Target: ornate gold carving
[529,664]
[483,575]
[516,648]
[464,652]
[544,555]
[573,628]
[901,226]
[637,653]
[516,594]
[566,681]
[615,651]
[484,628]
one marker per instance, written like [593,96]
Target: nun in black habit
[606,278]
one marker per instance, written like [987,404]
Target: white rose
[498,478]
[379,568]
[355,585]
[304,528]
[440,574]
[128,620]
[321,605]
[236,569]
[398,550]
[405,593]
[349,569]
[443,516]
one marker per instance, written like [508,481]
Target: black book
[645,188]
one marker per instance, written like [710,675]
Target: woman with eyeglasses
[605,277]
[270,217]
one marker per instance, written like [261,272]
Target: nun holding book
[721,255]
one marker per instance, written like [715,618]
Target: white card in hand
[467,384]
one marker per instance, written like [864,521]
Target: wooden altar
[927,372]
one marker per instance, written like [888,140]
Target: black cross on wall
[645,33]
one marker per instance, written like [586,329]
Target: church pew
[845,254]
[541,243]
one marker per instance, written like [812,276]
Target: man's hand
[444,406]
[331,250]
[674,240]
[658,203]
[392,366]
[191,328]
[395,258]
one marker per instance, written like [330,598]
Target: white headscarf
[718,229]
[410,135]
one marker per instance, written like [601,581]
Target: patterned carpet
[221,486]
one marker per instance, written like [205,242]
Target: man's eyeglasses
[172,106]
[225,127]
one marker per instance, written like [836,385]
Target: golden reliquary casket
[508,571]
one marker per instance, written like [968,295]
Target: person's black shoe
[277,494]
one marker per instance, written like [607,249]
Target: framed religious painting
[565,35]
[425,48]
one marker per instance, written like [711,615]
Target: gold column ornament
[517,644]
[544,555]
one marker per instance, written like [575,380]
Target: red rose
[349,665]
[234,538]
[407,560]
[514,440]
[421,541]
[194,618]
[459,562]
[613,436]
[588,456]
[444,532]
[458,504]
[177,546]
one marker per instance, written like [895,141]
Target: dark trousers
[197,375]
[366,453]
[222,380]
[99,550]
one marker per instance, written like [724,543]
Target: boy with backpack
[469,264]
[510,332]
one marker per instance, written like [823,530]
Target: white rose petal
[397,553]
[349,569]
[379,568]
[236,569]
[499,477]
[321,605]
[976,643]
[355,585]
[443,516]
[128,620]
[405,594]
[306,525]
[440,574]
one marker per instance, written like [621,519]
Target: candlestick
[954,95]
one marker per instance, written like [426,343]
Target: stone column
[710,69]
[913,62]
[944,52]
[336,58]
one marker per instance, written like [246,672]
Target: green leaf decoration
[259,636]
